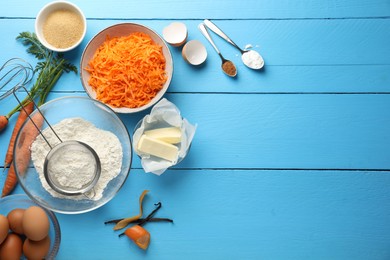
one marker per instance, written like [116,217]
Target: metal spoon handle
[218,31]
[206,34]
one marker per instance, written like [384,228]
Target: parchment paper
[163,114]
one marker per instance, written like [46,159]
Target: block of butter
[170,135]
[158,148]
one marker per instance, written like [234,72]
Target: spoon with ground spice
[250,58]
[227,66]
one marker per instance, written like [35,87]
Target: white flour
[106,145]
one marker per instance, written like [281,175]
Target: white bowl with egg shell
[64,32]
[119,30]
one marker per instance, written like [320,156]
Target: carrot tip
[6,165]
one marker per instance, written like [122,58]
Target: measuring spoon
[250,58]
[227,66]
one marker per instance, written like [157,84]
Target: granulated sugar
[63,28]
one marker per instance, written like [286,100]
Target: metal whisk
[14,74]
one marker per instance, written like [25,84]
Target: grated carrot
[127,71]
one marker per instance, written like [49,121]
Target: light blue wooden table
[291,162]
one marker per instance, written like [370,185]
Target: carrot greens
[49,68]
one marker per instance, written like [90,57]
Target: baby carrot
[3,122]
[23,114]
[27,137]
[10,182]
[23,153]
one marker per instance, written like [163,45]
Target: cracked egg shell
[175,34]
[194,52]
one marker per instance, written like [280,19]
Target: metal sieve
[60,179]
[58,154]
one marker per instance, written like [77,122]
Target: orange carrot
[10,182]
[22,153]
[28,108]
[3,122]
[27,137]
[127,71]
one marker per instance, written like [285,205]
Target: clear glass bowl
[21,201]
[95,112]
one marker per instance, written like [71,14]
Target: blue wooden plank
[288,131]
[274,79]
[337,61]
[222,9]
[238,214]
[278,167]
[308,131]
[289,42]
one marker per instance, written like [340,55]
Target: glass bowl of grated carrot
[127,66]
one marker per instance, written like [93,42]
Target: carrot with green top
[10,182]
[27,137]
[3,122]
[22,152]
[50,67]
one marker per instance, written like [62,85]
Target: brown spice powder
[63,28]
[229,68]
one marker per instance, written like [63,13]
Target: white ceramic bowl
[46,11]
[118,30]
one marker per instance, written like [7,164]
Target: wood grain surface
[289,162]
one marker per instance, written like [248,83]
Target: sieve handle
[40,112]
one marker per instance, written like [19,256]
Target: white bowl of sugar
[60,26]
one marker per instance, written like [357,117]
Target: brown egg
[4,227]
[15,219]
[36,249]
[35,223]
[11,248]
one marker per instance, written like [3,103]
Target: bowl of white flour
[78,119]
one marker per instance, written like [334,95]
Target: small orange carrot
[23,153]
[10,182]
[3,122]
[27,137]
[23,114]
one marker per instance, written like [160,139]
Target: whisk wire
[16,71]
